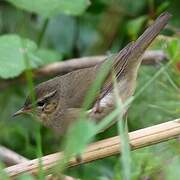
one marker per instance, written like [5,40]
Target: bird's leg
[78,158]
[97,108]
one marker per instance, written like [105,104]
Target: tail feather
[119,65]
[130,55]
[150,34]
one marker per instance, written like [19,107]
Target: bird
[59,101]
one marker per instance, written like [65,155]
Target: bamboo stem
[104,148]
[10,157]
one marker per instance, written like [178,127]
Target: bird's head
[45,101]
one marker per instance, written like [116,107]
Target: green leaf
[26,177]
[171,45]
[48,56]
[12,61]
[134,26]
[172,169]
[49,8]
[173,48]
[96,86]
[163,7]
[12,55]
[132,8]
[3,174]
[123,133]
[79,136]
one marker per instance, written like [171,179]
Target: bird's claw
[97,108]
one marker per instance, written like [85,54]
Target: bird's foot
[97,108]
[78,158]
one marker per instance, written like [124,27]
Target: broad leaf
[137,25]
[49,8]
[15,51]
[48,56]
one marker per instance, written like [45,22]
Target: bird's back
[75,85]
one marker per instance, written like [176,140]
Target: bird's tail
[130,56]
[149,35]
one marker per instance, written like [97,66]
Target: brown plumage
[60,99]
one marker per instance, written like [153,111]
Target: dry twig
[10,157]
[60,68]
[104,148]
[63,67]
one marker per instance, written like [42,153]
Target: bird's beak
[21,111]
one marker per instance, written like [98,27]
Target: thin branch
[59,68]
[10,157]
[63,67]
[104,148]
[149,57]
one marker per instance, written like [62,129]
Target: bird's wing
[118,66]
[130,55]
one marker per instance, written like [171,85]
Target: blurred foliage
[48,8]
[56,30]
[18,46]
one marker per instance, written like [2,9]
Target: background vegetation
[57,30]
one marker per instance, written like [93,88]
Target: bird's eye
[40,103]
